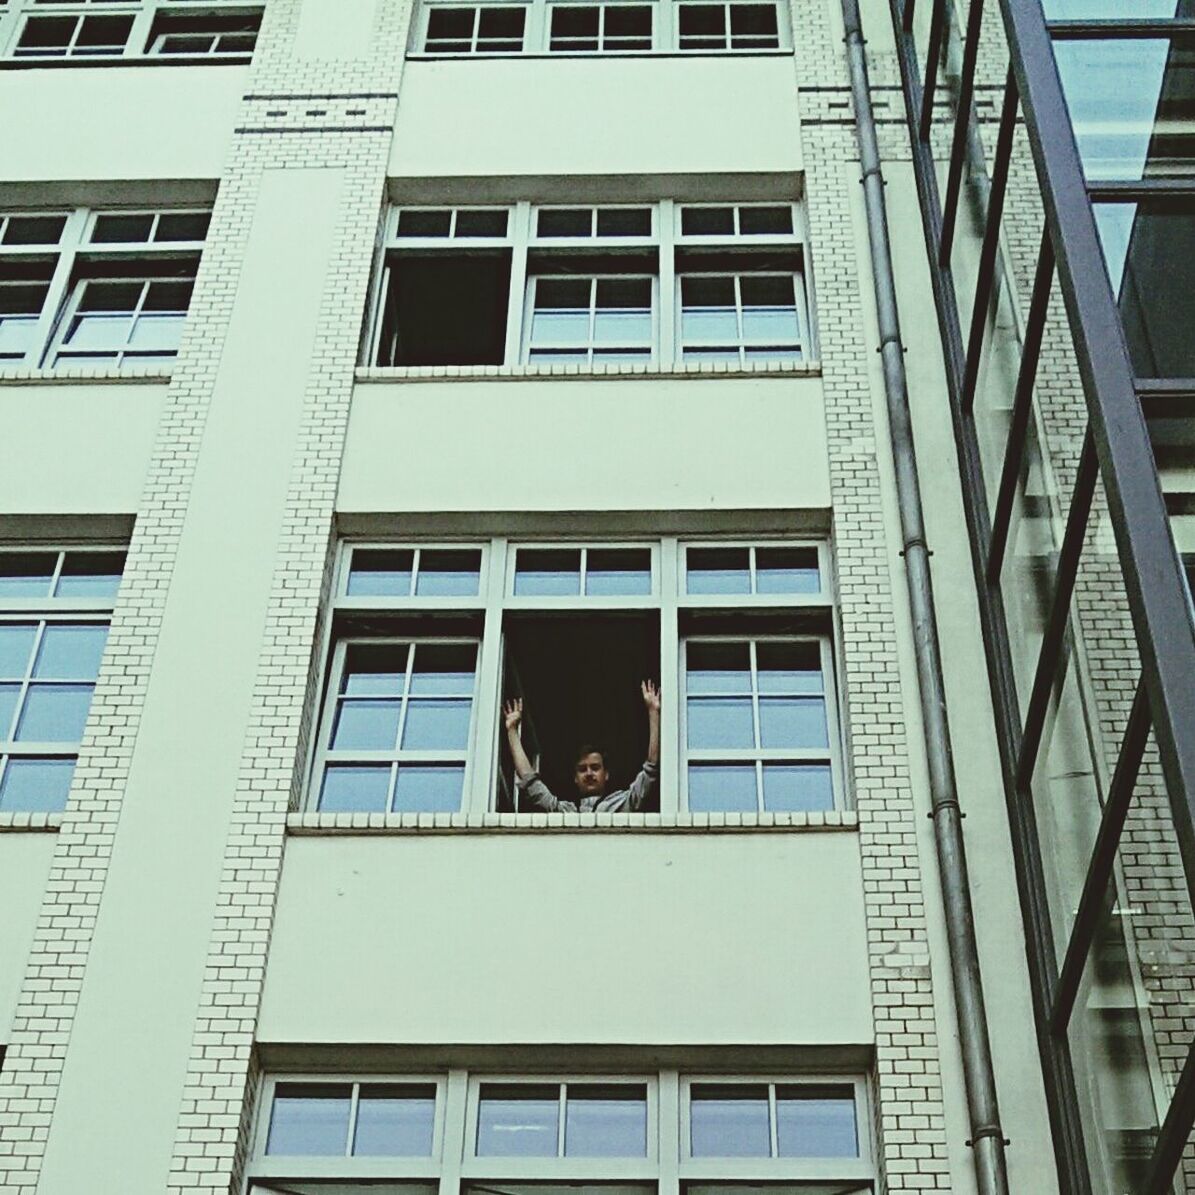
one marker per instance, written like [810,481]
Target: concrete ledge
[37,822]
[696,369]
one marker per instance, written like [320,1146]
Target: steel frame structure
[1117,453]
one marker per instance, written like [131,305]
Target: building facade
[365,367]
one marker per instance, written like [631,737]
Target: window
[55,606]
[657,1133]
[428,640]
[96,288]
[610,27]
[650,284]
[58,31]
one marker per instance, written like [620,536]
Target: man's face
[590,775]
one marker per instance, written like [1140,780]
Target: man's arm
[643,787]
[538,793]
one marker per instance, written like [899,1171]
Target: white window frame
[138,44]
[668,1165]
[665,240]
[537,29]
[496,597]
[74,258]
[48,611]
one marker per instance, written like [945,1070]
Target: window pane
[623,314]
[366,724]
[452,572]
[548,572]
[36,785]
[444,668]
[517,1120]
[618,572]
[125,228]
[717,570]
[707,221]
[500,30]
[381,574]
[483,222]
[26,574]
[309,1119]
[769,309]
[720,722]
[574,27]
[355,788]
[722,788]
[718,668]
[797,787]
[90,575]
[34,230]
[54,713]
[792,722]
[441,22]
[561,315]
[626,221]
[576,221]
[371,671]
[757,221]
[816,1122]
[435,724]
[753,27]
[605,1121]
[182,226]
[70,652]
[395,1121]
[16,642]
[708,310]
[429,788]
[787,570]
[729,1121]
[789,667]
[8,707]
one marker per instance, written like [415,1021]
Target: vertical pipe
[987,1136]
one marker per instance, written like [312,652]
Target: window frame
[680,618]
[138,45]
[598,255]
[537,29]
[76,259]
[50,610]
[668,1167]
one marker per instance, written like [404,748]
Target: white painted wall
[105,123]
[24,867]
[649,444]
[495,118]
[77,448]
[482,938]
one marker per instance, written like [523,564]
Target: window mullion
[773,1128]
[671,748]
[833,727]
[591,338]
[138,40]
[669,299]
[537,36]
[354,1105]
[668,1132]
[482,780]
[328,723]
[561,1109]
[59,292]
[452,1143]
[518,313]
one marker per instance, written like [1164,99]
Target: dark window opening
[579,679]
[445,309]
[225,35]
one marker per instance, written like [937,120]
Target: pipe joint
[987,1130]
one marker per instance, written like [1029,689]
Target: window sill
[523,55]
[36,822]
[142,374]
[24,64]
[701,369]
[538,823]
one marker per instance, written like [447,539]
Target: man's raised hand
[512,713]
[651,696]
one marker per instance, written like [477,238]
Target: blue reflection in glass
[309,1119]
[722,788]
[395,1121]
[797,787]
[816,1122]
[729,1121]
[355,788]
[35,785]
[429,788]
[54,713]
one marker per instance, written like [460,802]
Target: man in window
[589,769]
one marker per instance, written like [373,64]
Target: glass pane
[816,1122]
[95,333]
[722,788]
[54,713]
[482,222]
[381,574]
[416,222]
[366,724]
[375,671]
[444,668]
[429,788]
[449,572]
[757,221]
[717,570]
[1130,104]
[729,1121]
[720,722]
[182,226]
[626,221]
[706,221]
[787,570]
[35,785]
[708,310]
[70,652]
[769,309]
[623,313]
[561,315]
[156,333]
[435,724]
[90,575]
[518,1120]
[718,667]
[309,1119]
[548,572]
[34,230]
[753,27]
[395,1120]
[623,571]
[605,1121]
[123,228]
[8,707]
[1149,249]
[793,722]
[26,574]
[500,30]
[16,642]
[787,667]
[355,788]
[797,787]
[570,21]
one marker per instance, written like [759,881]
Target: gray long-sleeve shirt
[625,800]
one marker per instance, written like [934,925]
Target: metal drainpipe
[987,1136]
